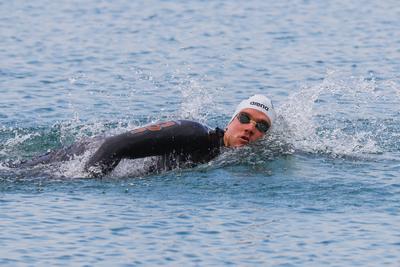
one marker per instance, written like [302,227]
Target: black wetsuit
[181,143]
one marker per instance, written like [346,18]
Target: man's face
[239,134]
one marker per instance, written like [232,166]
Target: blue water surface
[322,189]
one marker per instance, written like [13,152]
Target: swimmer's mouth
[245,138]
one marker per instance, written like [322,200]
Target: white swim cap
[257,102]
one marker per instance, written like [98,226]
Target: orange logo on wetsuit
[154,127]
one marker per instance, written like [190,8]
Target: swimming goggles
[262,126]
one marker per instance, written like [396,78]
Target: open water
[323,189]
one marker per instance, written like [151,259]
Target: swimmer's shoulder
[192,124]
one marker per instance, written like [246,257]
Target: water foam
[15,140]
[341,116]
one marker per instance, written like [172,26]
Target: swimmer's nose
[251,127]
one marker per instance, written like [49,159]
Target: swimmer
[180,143]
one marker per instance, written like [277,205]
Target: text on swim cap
[259,105]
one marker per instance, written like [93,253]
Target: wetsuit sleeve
[153,140]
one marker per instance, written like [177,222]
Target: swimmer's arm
[116,148]
[105,159]
[154,140]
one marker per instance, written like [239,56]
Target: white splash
[9,148]
[339,116]
[197,101]
[19,138]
